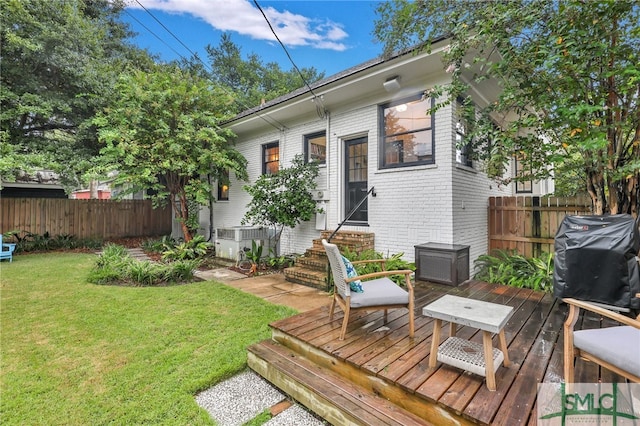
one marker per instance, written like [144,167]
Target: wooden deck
[378,375]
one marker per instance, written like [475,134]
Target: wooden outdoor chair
[615,348]
[379,292]
[6,250]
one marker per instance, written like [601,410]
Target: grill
[596,260]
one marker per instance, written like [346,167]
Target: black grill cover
[595,260]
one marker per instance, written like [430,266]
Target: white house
[368,128]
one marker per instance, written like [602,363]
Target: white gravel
[295,415]
[242,397]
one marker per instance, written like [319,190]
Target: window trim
[307,138]
[382,135]
[263,159]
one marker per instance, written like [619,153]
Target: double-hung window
[270,158]
[524,184]
[464,118]
[407,133]
[315,147]
[223,186]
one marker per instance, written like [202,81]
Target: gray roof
[328,80]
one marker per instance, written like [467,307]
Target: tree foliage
[283,199]
[59,62]
[251,80]
[162,132]
[570,77]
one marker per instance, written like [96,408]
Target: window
[464,118]
[270,158]
[223,187]
[407,133]
[522,186]
[315,147]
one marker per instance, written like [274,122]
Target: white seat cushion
[619,346]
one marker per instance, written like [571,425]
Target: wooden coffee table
[470,356]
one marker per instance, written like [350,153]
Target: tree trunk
[93,189]
[595,187]
[181,214]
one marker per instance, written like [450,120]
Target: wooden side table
[482,359]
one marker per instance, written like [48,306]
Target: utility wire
[166,29]
[264,117]
[316,99]
[152,33]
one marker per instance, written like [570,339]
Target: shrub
[30,242]
[509,268]
[115,265]
[182,270]
[165,243]
[393,263]
[194,249]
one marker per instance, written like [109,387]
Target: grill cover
[595,260]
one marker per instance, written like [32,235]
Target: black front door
[356,173]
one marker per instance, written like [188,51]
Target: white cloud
[244,18]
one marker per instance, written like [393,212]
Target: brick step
[314,263]
[306,277]
[329,394]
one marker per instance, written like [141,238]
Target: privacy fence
[529,224]
[106,219]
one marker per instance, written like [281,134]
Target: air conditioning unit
[231,240]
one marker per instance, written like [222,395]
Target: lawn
[79,353]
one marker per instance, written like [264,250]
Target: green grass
[78,353]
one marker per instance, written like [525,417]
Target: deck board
[383,351]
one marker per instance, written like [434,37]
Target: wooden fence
[105,219]
[529,224]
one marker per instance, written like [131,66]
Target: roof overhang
[412,68]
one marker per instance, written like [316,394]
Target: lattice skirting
[467,355]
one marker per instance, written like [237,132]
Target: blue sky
[328,35]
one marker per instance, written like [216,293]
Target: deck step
[331,396]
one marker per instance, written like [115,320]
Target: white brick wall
[441,203]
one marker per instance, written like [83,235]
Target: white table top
[473,313]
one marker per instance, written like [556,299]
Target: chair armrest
[10,246]
[580,304]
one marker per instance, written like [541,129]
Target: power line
[316,99]
[279,125]
[166,29]
[154,34]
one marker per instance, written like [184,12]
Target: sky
[328,35]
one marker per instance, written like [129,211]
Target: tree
[283,199]
[570,78]
[59,62]
[251,80]
[162,133]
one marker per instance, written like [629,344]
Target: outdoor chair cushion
[352,273]
[381,291]
[619,346]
